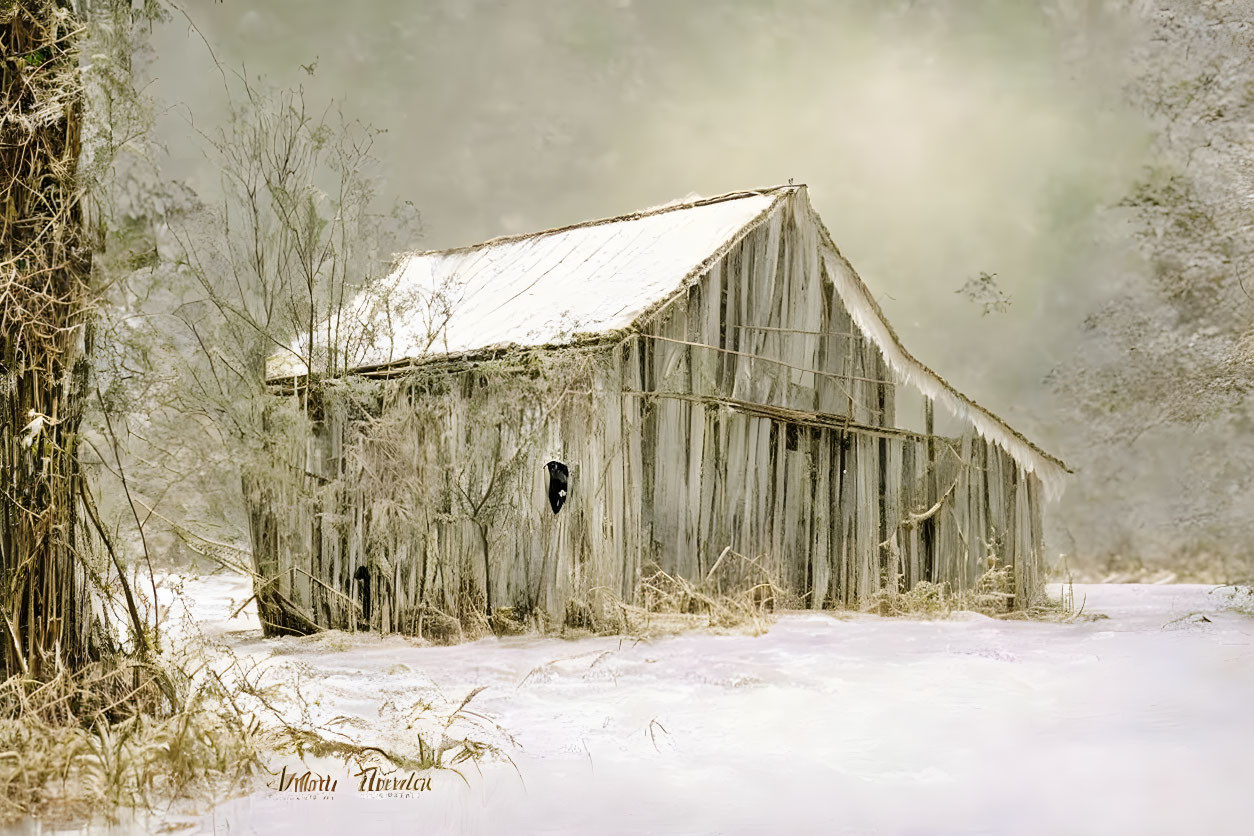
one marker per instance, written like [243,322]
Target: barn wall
[746,413]
[772,422]
[436,485]
[834,514]
[657,482]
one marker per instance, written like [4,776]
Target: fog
[940,140]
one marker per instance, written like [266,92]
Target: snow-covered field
[1139,723]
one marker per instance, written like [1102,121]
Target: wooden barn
[712,374]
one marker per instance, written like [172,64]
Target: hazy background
[940,140]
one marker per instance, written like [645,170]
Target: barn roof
[599,277]
[542,288]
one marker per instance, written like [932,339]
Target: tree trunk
[45,341]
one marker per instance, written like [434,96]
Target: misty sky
[940,139]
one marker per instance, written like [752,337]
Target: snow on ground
[1139,723]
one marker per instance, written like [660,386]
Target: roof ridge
[630,216]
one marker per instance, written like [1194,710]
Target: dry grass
[738,594]
[81,745]
[924,600]
[431,739]
[427,736]
[668,605]
[194,728]
[992,595]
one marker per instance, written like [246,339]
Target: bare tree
[294,236]
[1162,373]
[273,266]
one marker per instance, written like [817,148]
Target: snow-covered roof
[537,289]
[553,287]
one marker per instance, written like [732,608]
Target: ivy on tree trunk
[45,344]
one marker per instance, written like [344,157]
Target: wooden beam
[795,416]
